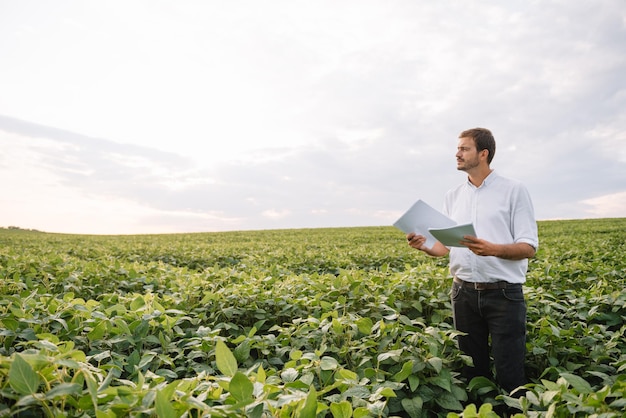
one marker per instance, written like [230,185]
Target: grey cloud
[359,183]
[373,176]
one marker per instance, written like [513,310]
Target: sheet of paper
[419,218]
[450,237]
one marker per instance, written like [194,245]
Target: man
[489,270]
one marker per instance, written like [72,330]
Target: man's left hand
[478,246]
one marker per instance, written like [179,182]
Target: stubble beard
[467,165]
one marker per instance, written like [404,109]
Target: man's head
[483,139]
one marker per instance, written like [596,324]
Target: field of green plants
[337,322]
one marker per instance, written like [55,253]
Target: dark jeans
[500,313]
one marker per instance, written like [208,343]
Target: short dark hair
[483,138]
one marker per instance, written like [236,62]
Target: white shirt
[502,212]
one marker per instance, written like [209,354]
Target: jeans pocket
[514,294]
[455,292]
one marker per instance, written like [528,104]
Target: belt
[483,285]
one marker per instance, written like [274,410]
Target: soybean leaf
[577,382]
[407,368]
[481,385]
[361,412]
[413,406]
[449,401]
[22,378]
[342,409]
[241,388]
[289,375]
[260,374]
[364,325]
[328,363]
[436,363]
[64,389]
[163,404]
[309,410]
[225,359]
[138,303]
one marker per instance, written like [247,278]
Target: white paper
[419,218]
[450,237]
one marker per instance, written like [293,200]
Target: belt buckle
[480,286]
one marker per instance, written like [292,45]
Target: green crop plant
[329,322]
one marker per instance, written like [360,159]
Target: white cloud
[276,214]
[607,206]
[38,198]
[610,138]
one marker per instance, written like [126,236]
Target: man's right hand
[418,242]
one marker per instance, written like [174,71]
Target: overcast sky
[124,117]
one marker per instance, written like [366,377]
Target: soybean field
[329,322]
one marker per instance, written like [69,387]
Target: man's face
[466,155]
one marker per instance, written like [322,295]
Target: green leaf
[328,363]
[413,406]
[92,387]
[256,412]
[469,412]
[146,359]
[551,385]
[28,400]
[481,385]
[619,403]
[443,380]
[22,378]
[98,331]
[64,389]
[361,412]
[357,392]
[365,325]
[342,409]
[101,413]
[388,393]
[389,354]
[241,388]
[407,369]
[486,411]
[437,363]
[577,382]
[225,359]
[448,401]
[309,410]
[242,351]
[295,354]
[138,303]
[132,361]
[414,382]
[260,374]
[289,375]
[337,327]
[113,374]
[347,374]
[163,402]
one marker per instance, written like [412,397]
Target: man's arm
[515,251]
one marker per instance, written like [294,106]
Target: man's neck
[478,175]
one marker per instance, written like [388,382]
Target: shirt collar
[491,177]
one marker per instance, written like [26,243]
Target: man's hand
[418,242]
[515,251]
[479,246]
